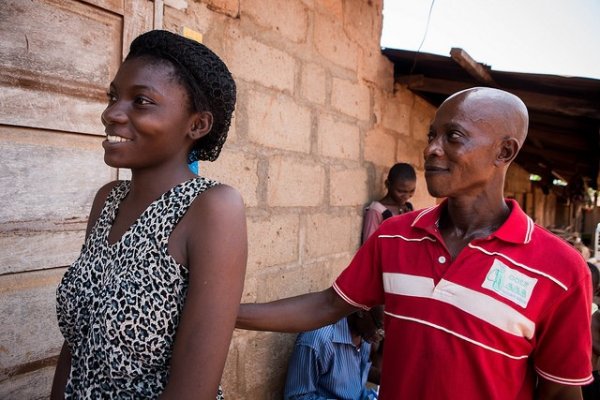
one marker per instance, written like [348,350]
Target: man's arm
[376,357]
[294,314]
[547,390]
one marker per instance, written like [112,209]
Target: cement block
[333,8]
[338,139]
[277,121]
[290,21]
[314,83]
[232,134]
[258,62]
[362,22]
[293,183]
[420,121]
[396,117]
[236,169]
[422,198]
[351,98]
[348,187]
[264,359]
[272,240]
[411,151]
[338,264]
[375,68]
[292,281]
[380,147]
[328,234]
[332,43]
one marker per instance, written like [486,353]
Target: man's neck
[464,220]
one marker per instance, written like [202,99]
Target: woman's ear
[201,125]
[509,148]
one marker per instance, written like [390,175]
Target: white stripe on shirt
[478,304]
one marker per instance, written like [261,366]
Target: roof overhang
[564,112]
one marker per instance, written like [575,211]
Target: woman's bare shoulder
[98,202]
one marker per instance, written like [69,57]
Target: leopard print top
[118,305]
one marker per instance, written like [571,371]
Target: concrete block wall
[317,125]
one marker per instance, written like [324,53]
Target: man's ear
[201,125]
[509,148]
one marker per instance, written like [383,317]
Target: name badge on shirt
[509,283]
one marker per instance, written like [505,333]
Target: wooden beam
[475,69]
[572,140]
[421,83]
[571,106]
[560,159]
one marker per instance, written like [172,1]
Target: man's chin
[436,192]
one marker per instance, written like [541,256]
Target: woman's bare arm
[61,374]
[216,252]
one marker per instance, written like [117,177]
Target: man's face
[462,147]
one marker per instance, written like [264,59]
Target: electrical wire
[424,37]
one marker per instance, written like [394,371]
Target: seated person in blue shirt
[333,362]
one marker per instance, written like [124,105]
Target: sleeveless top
[118,306]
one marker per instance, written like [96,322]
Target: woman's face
[148,118]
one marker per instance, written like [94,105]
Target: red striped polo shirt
[481,326]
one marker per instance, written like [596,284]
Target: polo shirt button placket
[442,259]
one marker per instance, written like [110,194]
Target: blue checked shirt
[326,365]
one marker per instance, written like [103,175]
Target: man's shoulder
[552,255]
[551,244]
[316,337]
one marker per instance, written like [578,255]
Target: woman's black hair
[209,83]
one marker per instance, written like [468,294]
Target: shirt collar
[517,228]
[341,332]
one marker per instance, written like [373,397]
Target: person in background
[592,391]
[480,302]
[333,362]
[148,309]
[400,184]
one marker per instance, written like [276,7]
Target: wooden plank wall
[56,60]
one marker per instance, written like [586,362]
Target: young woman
[401,183]
[148,308]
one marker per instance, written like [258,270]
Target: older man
[480,302]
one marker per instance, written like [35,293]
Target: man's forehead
[462,110]
[449,119]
